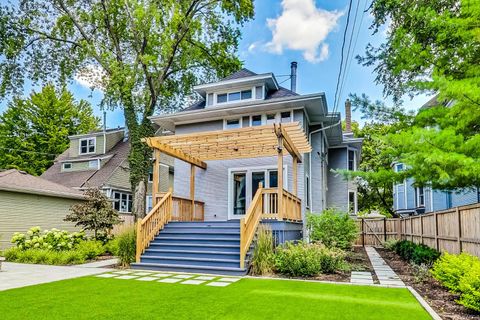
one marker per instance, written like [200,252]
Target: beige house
[29,201]
[100,160]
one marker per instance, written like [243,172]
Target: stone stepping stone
[218,284]
[147,279]
[106,275]
[169,280]
[126,277]
[207,278]
[161,275]
[194,282]
[183,276]
[142,273]
[228,279]
[122,272]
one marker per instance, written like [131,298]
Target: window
[67,166]
[449,199]
[420,197]
[150,176]
[352,202]
[87,146]
[351,160]
[271,118]
[259,92]
[286,116]
[234,96]
[93,164]
[399,167]
[123,201]
[232,124]
[149,204]
[256,120]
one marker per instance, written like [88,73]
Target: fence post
[436,231]
[459,221]
[411,228]
[363,234]
[421,229]
[384,229]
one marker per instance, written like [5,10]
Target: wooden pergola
[251,142]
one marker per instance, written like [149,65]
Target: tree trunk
[139,200]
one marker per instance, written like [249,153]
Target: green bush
[390,244]
[90,249]
[112,247]
[263,258]
[416,253]
[307,260]
[44,256]
[470,287]
[450,268]
[335,229]
[126,246]
[53,239]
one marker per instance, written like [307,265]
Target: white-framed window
[148,204]
[87,145]
[233,123]
[259,92]
[256,120]
[265,118]
[420,196]
[93,164]
[122,201]
[234,96]
[352,202]
[271,118]
[286,116]
[352,165]
[399,167]
[67,166]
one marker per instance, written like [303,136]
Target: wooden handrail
[249,224]
[156,219]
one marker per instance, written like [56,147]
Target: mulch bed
[437,296]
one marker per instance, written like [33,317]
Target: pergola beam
[287,142]
[171,151]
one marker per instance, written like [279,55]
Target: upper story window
[87,145]
[271,118]
[122,201]
[234,96]
[259,119]
[420,196]
[351,160]
[256,120]
[232,123]
[399,167]
[286,116]
[67,166]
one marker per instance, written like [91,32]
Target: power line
[29,151]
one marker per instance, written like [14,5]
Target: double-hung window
[420,193]
[351,160]
[87,146]
[123,201]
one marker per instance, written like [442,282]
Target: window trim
[67,163]
[355,202]
[228,92]
[417,197]
[354,159]
[240,123]
[129,195]
[87,139]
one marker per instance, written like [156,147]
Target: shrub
[263,258]
[307,259]
[126,246]
[390,244]
[335,229]
[450,268]
[90,249]
[421,272]
[470,287]
[112,247]
[416,253]
[53,239]
[44,256]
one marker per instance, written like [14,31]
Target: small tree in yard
[96,214]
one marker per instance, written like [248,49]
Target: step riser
[189,270]
[225,224]
[173,261]
[232,256]
[196,241]
[181,248]
[191,235]
[207,230]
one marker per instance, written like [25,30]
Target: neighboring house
[99,160]
[241,131]
[411,200]
[28,201]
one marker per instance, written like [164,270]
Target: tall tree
[144,54]
[34,130]
[433,47]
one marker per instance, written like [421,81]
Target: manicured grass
[102,298]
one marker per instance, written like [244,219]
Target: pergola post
[192,188]
[295,176]
[280,178]
[156,177]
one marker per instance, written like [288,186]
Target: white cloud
[91,76]
[303,27]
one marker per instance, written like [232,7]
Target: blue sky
[307,31]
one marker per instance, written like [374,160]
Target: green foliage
[51,257]
[470,288]
[307,260]
[54,239]
[125,246]
[90,249]
[390,244]
[416,253]
[35,129]
[96,214]
[333,228]
[144,55]
[263,258]
[450,268]
[421,272]
[432,47]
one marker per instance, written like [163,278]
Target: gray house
[245,137]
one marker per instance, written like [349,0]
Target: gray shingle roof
[19,181]
[243,73]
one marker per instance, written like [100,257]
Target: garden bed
[437,296]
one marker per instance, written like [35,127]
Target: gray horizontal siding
[337,195]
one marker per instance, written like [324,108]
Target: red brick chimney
[348,116]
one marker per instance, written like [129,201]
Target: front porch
[269,204]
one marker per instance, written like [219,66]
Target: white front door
[243,184]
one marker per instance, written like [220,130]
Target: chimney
[293,76]
[348,116]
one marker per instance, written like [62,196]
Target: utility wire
[29,151]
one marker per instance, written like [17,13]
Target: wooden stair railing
[249,224]
[155,220]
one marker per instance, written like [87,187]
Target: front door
[243,185]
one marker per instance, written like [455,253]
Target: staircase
[197,247]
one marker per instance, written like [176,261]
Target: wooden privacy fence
[453,230]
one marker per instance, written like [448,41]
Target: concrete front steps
[197,247]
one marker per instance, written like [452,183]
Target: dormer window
[87,146]
[234,96]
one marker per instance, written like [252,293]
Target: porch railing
[155,220]
[182,209]
[265,205]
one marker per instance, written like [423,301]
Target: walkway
[385,274]
[16,275]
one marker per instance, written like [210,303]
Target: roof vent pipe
[293,76]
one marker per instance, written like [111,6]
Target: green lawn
[106,298]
